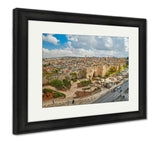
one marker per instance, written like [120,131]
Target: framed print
[72,70]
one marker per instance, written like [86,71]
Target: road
[111,96]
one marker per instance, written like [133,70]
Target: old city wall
[97,71]
[100,70]
[85,73]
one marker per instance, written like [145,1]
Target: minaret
[85,57]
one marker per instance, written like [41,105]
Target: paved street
[112,96]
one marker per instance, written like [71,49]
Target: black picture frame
[20,70]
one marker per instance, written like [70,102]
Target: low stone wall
[82,94]
[85,93]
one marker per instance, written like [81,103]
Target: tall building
[85,57]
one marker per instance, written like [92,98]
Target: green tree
[67,83]
[57,83]
[127,62]
[73,75]
[119,69]
[85,83]
[112,69]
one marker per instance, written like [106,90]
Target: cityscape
[84,69]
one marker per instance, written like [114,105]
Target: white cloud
[69,43]
[126,43]
[91,42]
[76,52]
[72,38]
[56,52]
[81,45]
[51,39]
[109,42]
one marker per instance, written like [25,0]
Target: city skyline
[66,45]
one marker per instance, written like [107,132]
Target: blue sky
[62,40]
[60,45]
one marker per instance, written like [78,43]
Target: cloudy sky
[60,45]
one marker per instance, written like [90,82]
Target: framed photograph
[72,70]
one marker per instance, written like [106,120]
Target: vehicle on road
[119,87]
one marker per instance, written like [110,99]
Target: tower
[85,57]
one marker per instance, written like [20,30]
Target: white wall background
[136,130]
